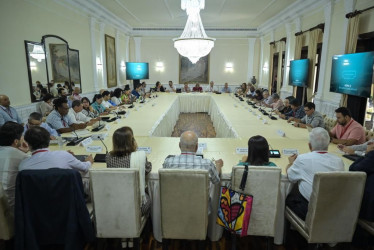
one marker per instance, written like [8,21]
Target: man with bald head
[7,113]
[188,159]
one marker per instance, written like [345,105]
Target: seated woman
[197,88]
[98,106]
[243,89]
[116,96]
[258,153]
[46,106]
[159,87]
[258,95]
[87,108]
[124,155]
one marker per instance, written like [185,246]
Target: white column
[118,59]
[325,43]
[102,55]
[261,62]
[251,53]
[138,54]
[286,89]
[297,24]
[93,52]
[127,57]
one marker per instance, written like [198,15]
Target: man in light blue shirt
[8,113]
[35,119]
[226,89]
[59,120]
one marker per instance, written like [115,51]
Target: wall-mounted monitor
[352,74]
[137,71]
[299,72]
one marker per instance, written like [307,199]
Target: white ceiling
[245,16]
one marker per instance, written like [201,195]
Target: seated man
[226,89]
[366,165]
[211,88]
[12,152]
[107,103]
[75,94]
[186,88]
[297,111]
[197,88]
[171,87]
[8,113]
[136,92]
[59,120]
[277,102]
[35,119]
[347,131]
[359,150]
[189,160]
[76,116]
[38,140]
[312,118]
[267,99]
[302,168]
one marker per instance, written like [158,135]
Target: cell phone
[274,153]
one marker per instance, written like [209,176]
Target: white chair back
[6,219]
[184,196]
[116,202]
[263,183]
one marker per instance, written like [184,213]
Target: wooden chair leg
[165,243]
[136,243]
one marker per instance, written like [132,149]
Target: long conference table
[234,121]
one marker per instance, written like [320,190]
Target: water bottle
[60,142]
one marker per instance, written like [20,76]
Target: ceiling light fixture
[38,53]
[193,43]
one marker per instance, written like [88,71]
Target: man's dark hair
[59,102]
[290,98]
[35,116]
[97,96]
[310,105]
[105,93]
[47,97]
[37,138]
[295,102]
[344,111]
[76,103]
[9,132]
[117,93]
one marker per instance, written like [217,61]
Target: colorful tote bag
[235,208]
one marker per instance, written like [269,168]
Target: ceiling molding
[293,11]
[176,32]
[168,8]
[127,10]
[221,8]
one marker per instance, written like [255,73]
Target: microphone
[77,140]
[101,157]
[271,115]
[75,132]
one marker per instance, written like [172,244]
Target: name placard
[203,145]
[147,150]
[94,149]
[242,151]
[86,142]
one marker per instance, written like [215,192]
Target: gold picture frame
[111,69]
[194,73]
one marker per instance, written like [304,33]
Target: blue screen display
[352,74]
[299,72]
[137,71]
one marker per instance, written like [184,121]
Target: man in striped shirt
[189,160]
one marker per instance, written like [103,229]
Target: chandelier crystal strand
[193,43]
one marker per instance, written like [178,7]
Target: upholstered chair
[333,208]
[184,196]
[6,219]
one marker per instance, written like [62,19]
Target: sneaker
[124,243]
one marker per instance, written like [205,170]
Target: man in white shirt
[302,168]
[38,140]
[106,101]
[12,152]
[8,113]
[211,88]
[267,98]
[171,87]
[76,116]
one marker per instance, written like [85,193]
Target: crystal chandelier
[193,43]
[38,53]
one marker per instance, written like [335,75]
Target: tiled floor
[200,123]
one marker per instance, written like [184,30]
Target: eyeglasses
[306,110]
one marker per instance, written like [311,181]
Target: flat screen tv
[352,74]
[299,72]
[137,71]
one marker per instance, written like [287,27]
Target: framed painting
[74,67]
[111,70]
[194,73]
[59,62]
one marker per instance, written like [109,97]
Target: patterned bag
[234,209]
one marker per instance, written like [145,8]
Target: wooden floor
[200,123]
